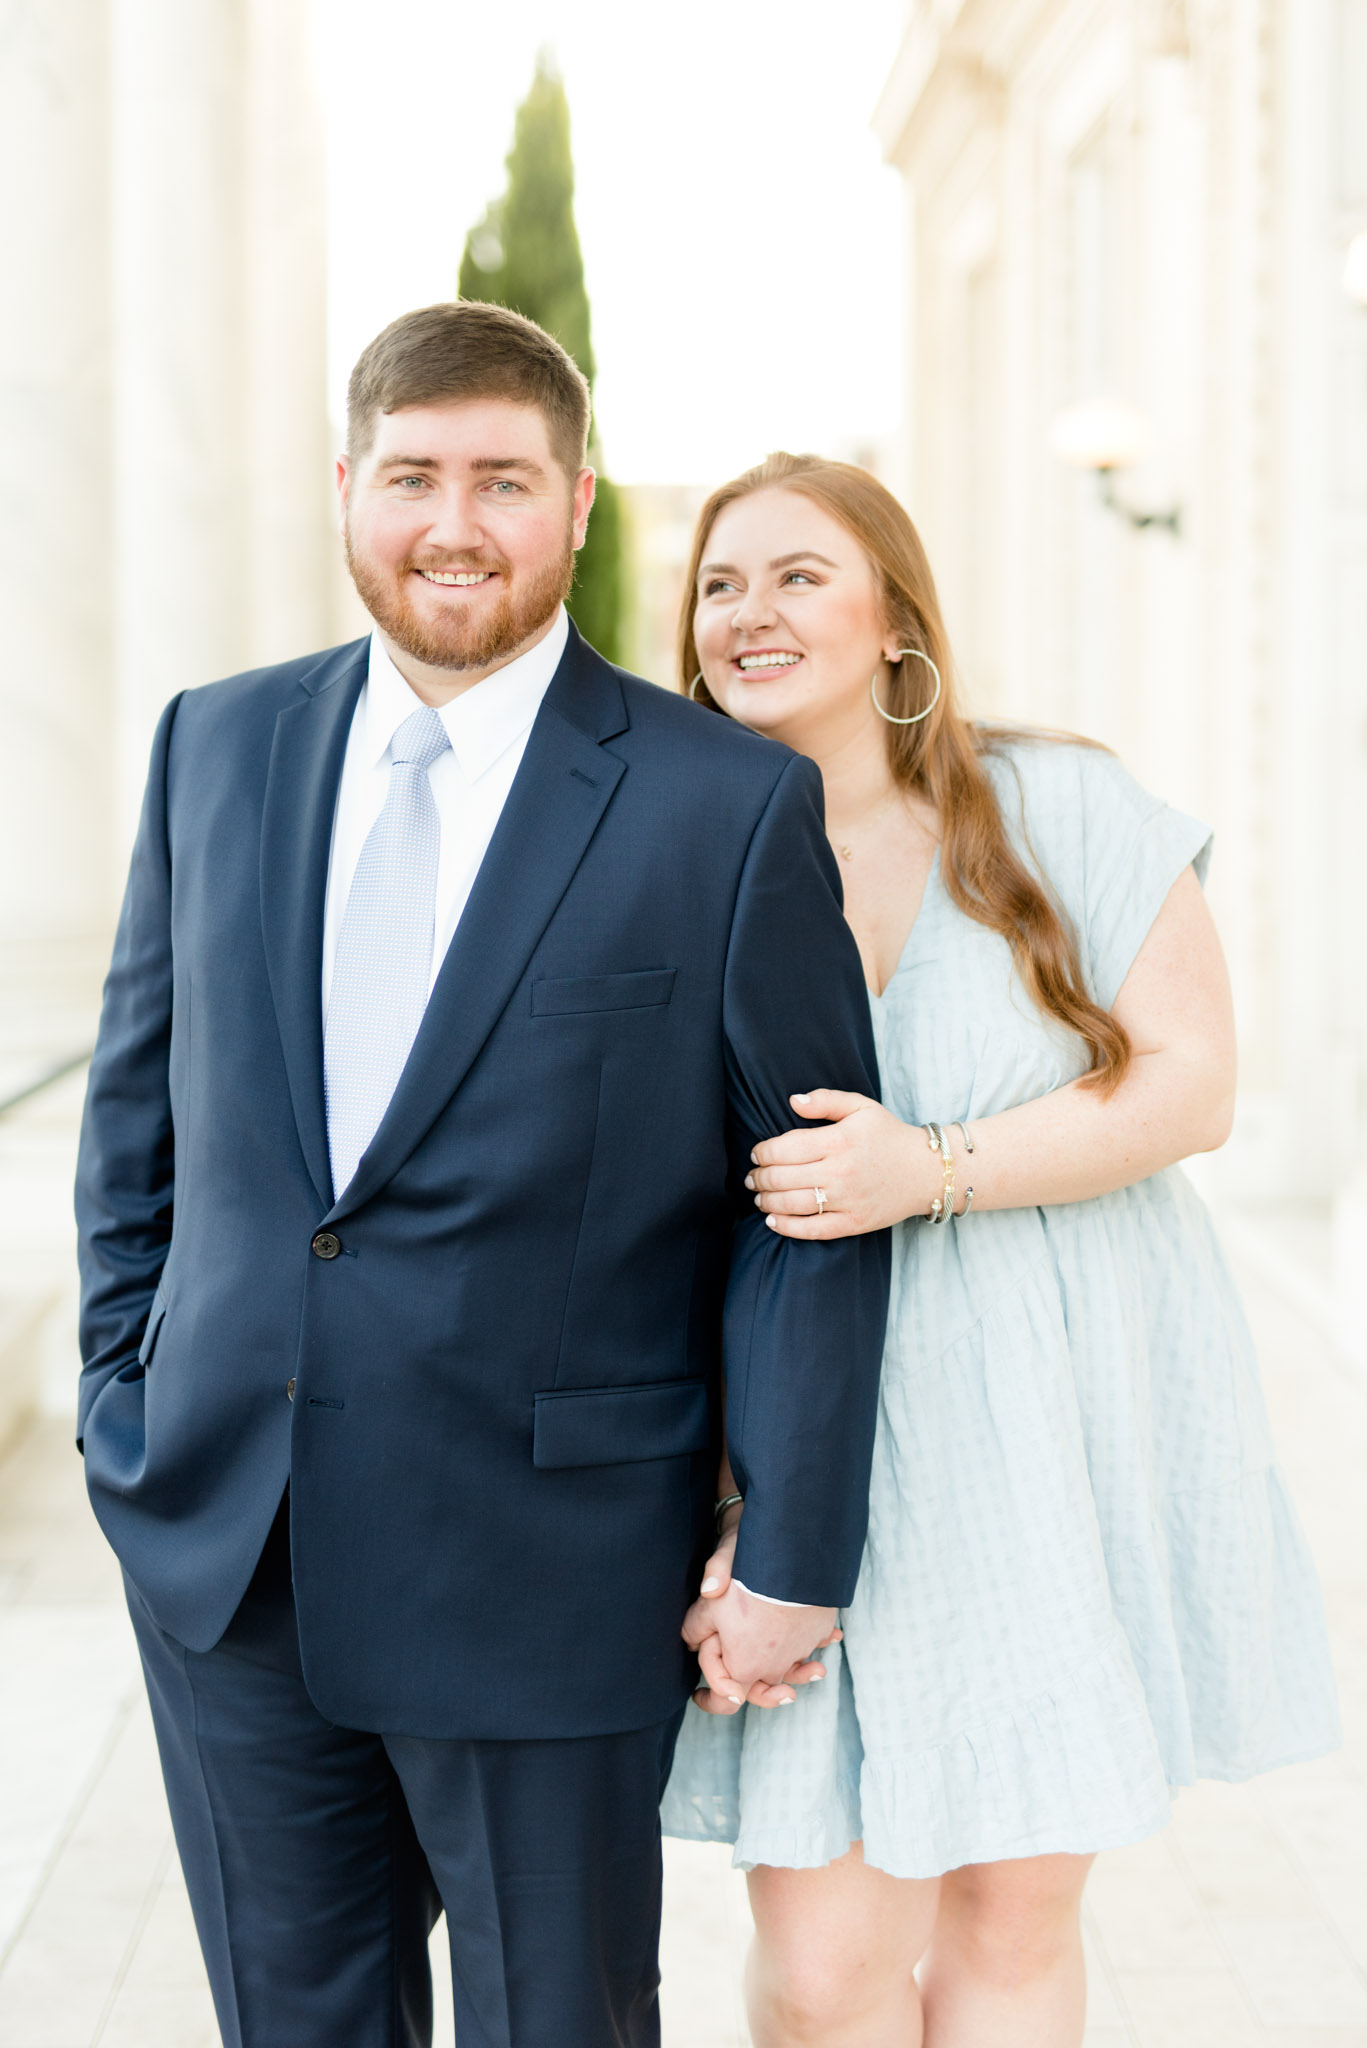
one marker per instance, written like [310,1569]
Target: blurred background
[1085,281]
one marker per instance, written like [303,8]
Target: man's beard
[458,641]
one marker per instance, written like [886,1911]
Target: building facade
[1147,204]
[164,439]
[164,503]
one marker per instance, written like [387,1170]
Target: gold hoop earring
[916,716]
[693,688]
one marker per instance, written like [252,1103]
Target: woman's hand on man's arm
[872,1169]
[1176,1098]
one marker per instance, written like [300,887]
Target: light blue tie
[383,966]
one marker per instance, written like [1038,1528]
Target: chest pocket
[649,989]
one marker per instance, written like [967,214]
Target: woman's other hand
[872,1169]
[720,1693]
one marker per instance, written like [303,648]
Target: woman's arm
[1177,1097]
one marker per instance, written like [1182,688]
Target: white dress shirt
[487,726]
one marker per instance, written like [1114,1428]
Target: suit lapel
[562,788]
[296,837]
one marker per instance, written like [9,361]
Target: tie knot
[419,740]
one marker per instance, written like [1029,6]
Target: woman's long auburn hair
[941,757]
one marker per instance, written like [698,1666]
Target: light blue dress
[1084,1583]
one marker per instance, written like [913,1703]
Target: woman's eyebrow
[780,562]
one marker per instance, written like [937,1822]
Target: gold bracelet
[942,1208]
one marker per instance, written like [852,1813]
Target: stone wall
[1151,201]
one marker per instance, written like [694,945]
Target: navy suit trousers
[318,1857]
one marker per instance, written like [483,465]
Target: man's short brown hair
[464,349]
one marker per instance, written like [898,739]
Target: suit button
[289,1388]
[326,1246]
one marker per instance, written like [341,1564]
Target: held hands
[751,1650]
[872,1169]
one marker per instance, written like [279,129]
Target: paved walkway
[1245,1923]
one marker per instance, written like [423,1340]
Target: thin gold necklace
[847,852]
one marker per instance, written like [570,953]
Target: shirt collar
[482,723]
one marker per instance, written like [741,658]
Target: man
[457,975]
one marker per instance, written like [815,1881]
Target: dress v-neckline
[932,878]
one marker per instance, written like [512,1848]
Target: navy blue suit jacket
[505,1389]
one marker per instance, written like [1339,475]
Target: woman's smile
[762,661]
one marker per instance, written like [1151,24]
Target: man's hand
[751,1651]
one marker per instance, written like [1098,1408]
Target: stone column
[54,473]
[289,500]
[219,351]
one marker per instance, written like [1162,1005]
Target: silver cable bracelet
[733,1500]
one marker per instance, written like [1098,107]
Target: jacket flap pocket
[150,1334]
[619,1425]
[643,991]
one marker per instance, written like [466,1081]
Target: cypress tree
[525,254]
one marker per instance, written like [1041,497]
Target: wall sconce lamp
[1355,269]
[1103,436]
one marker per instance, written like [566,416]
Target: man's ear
[343,491]
[585,484]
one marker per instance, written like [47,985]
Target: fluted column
[220,351]
[289,499]
[54,470]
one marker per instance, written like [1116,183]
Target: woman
[1084,1583]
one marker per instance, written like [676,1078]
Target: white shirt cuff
[767,1598]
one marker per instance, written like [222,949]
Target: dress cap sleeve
[1134,847]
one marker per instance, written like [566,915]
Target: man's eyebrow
[477,462]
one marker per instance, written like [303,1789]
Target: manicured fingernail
[801,1096]
[710,1585]
[785,1703]
[772,1222]
[816,1678]
[754,1159]
[750,1182]
[735,1699]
